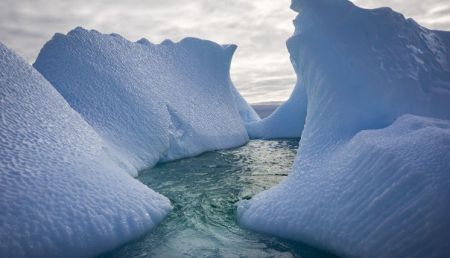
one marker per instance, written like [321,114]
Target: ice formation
[372,176]
[285,122]
[150,102]
[62,193]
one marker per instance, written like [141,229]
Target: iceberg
[372,175]
[286,121]
[62,190]
[150,102]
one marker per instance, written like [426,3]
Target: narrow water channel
[204,191]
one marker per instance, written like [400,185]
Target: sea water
[204,191]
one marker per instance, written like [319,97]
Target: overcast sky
[261,69]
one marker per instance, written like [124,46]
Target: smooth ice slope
[286,121]
[150,102]
[61,193]
[372,176]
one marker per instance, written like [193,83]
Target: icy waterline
[204,191]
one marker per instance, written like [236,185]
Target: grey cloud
[426,12]
[261,68]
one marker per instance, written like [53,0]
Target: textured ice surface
[376,47]
[61,192]
[385,193]
[151,102]
[372,176]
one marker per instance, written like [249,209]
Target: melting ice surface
[204,191]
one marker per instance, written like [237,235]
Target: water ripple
[204,191]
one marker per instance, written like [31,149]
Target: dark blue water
[204,191]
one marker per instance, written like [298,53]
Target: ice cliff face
[375,56]
[150,102]
[62,193]
[372,175]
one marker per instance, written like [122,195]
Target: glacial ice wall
[62,193]
[150,102]
[372,176]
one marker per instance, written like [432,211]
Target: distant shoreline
[264,109]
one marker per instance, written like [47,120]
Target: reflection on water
[204,191]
